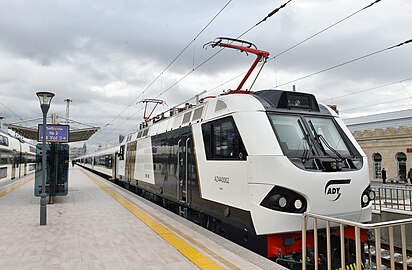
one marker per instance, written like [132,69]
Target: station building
[386,139]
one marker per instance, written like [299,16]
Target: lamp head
[45,98]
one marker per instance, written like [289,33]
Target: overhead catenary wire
[375,104]
[169,65]
[201,64]
[303,41]
[10,110]
[324,30]
[368,89]
[219,51]
[346,62]
[270,14]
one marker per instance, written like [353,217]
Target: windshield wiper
[329,146]
[319,138]
[306,152]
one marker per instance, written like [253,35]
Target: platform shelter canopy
[75,134]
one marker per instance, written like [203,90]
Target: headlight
[298,204]
[278,200]
[365,198]
[372,195]
[284,200]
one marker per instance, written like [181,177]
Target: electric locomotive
[248,164]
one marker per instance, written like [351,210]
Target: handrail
[375,227]
[366,226]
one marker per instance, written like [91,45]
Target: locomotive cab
[307,133]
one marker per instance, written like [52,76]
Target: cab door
[184,169]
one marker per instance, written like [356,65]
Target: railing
[375,229]
[392,197]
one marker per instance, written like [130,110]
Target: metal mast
[67,100]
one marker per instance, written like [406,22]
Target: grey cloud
[103,54]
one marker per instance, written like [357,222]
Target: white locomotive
[246,165]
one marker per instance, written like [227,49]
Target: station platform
[99,225]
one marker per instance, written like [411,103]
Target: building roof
[382,120]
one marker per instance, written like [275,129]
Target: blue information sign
[54,133]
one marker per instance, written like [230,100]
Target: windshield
[297,136]
[329,136]
[291,134]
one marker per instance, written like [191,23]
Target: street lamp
[45,100]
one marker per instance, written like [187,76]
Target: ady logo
[333,190]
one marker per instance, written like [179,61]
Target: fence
[392,197]
[376,229]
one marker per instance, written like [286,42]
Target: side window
[222,140]
[145,132]
[197,114]
[186,117]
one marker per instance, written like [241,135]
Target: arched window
[377,165]
[401,165]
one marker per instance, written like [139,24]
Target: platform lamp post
[45,100]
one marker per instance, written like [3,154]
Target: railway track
[385,257]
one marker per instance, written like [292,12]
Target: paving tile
[87,229]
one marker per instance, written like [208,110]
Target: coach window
[3,157]
[222,140]
[4,140]
[377,165]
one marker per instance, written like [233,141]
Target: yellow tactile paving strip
[199,245]
[13,187]
[196,257]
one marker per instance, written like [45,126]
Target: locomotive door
[183,159]
[114,165]
[13,164]
[24,160]
[130,161]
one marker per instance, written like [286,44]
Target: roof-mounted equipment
[243,46]
[155,102]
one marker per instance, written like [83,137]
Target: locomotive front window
[311,140]
[329,136]
[291,133]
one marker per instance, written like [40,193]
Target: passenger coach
[17,158]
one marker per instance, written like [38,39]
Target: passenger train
[17,158]
[246,165]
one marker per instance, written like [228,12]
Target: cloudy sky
[106,55]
